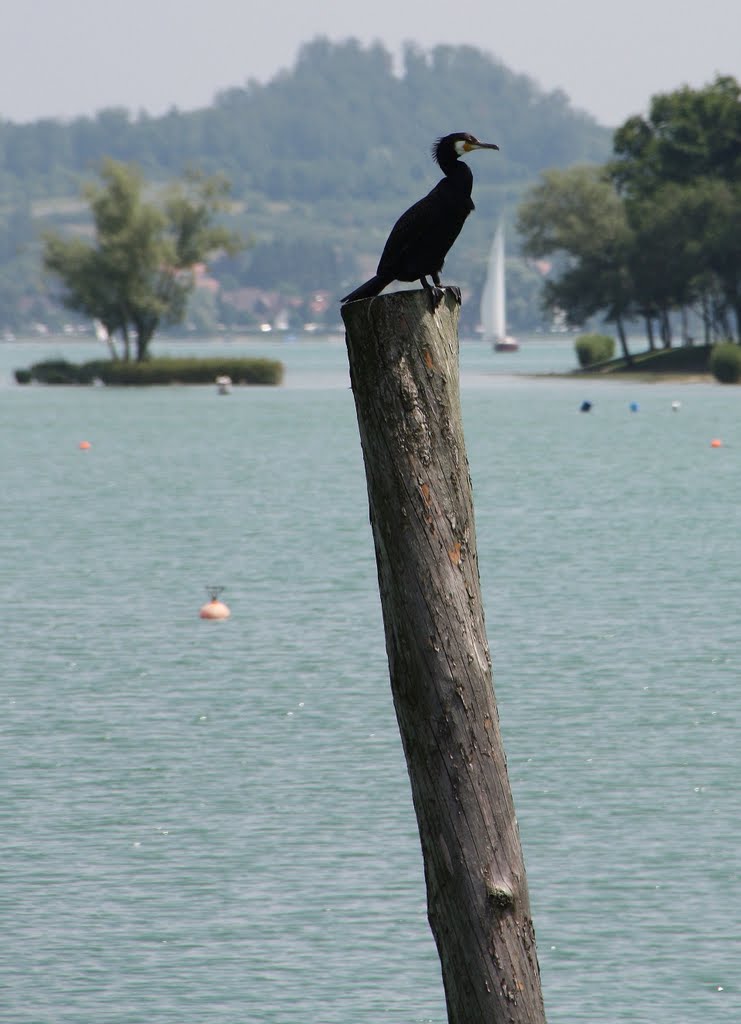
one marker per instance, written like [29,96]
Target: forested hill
[321,159]
[340,123]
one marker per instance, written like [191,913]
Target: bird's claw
[437,294]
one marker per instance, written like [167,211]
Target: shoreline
[633,376]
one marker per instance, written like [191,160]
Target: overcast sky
[61,58]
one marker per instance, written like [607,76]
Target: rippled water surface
[211,822]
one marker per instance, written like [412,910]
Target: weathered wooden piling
[404,373]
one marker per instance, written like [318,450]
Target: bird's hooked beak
[468,147]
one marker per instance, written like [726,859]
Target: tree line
[654,232]
[341,124]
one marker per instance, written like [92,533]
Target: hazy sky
[60,58]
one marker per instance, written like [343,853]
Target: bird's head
[450,147]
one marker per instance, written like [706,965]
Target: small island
[722,360]
[164,370]
[136,275]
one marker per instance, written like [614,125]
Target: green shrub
[191,371]
[155,371]
[594,348]
[725,362]
[52,371]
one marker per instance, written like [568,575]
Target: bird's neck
[459,174]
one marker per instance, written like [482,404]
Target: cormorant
[420,239]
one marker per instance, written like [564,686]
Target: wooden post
[404,373]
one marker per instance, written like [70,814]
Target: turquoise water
[211,822]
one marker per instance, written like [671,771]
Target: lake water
[210,823]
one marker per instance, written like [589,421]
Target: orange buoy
[84,445]
[716,443]
[214,609]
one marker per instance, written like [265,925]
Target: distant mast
[493,298]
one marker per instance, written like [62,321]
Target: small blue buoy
[634,406]
[585,406]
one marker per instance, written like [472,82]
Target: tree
[719,208]
[656,230]
[666,263]
[678,171]
[689,134]
[139,271]
[577,217]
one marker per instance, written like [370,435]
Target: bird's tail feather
[365,291]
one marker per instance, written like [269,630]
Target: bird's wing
[422,236]
[411,230]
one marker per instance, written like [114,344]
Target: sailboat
[493,302]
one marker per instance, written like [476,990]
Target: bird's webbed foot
[456,293]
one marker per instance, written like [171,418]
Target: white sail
[101,331]
[493,299]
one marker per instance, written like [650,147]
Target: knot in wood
[500,896]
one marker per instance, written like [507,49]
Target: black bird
[420,239]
